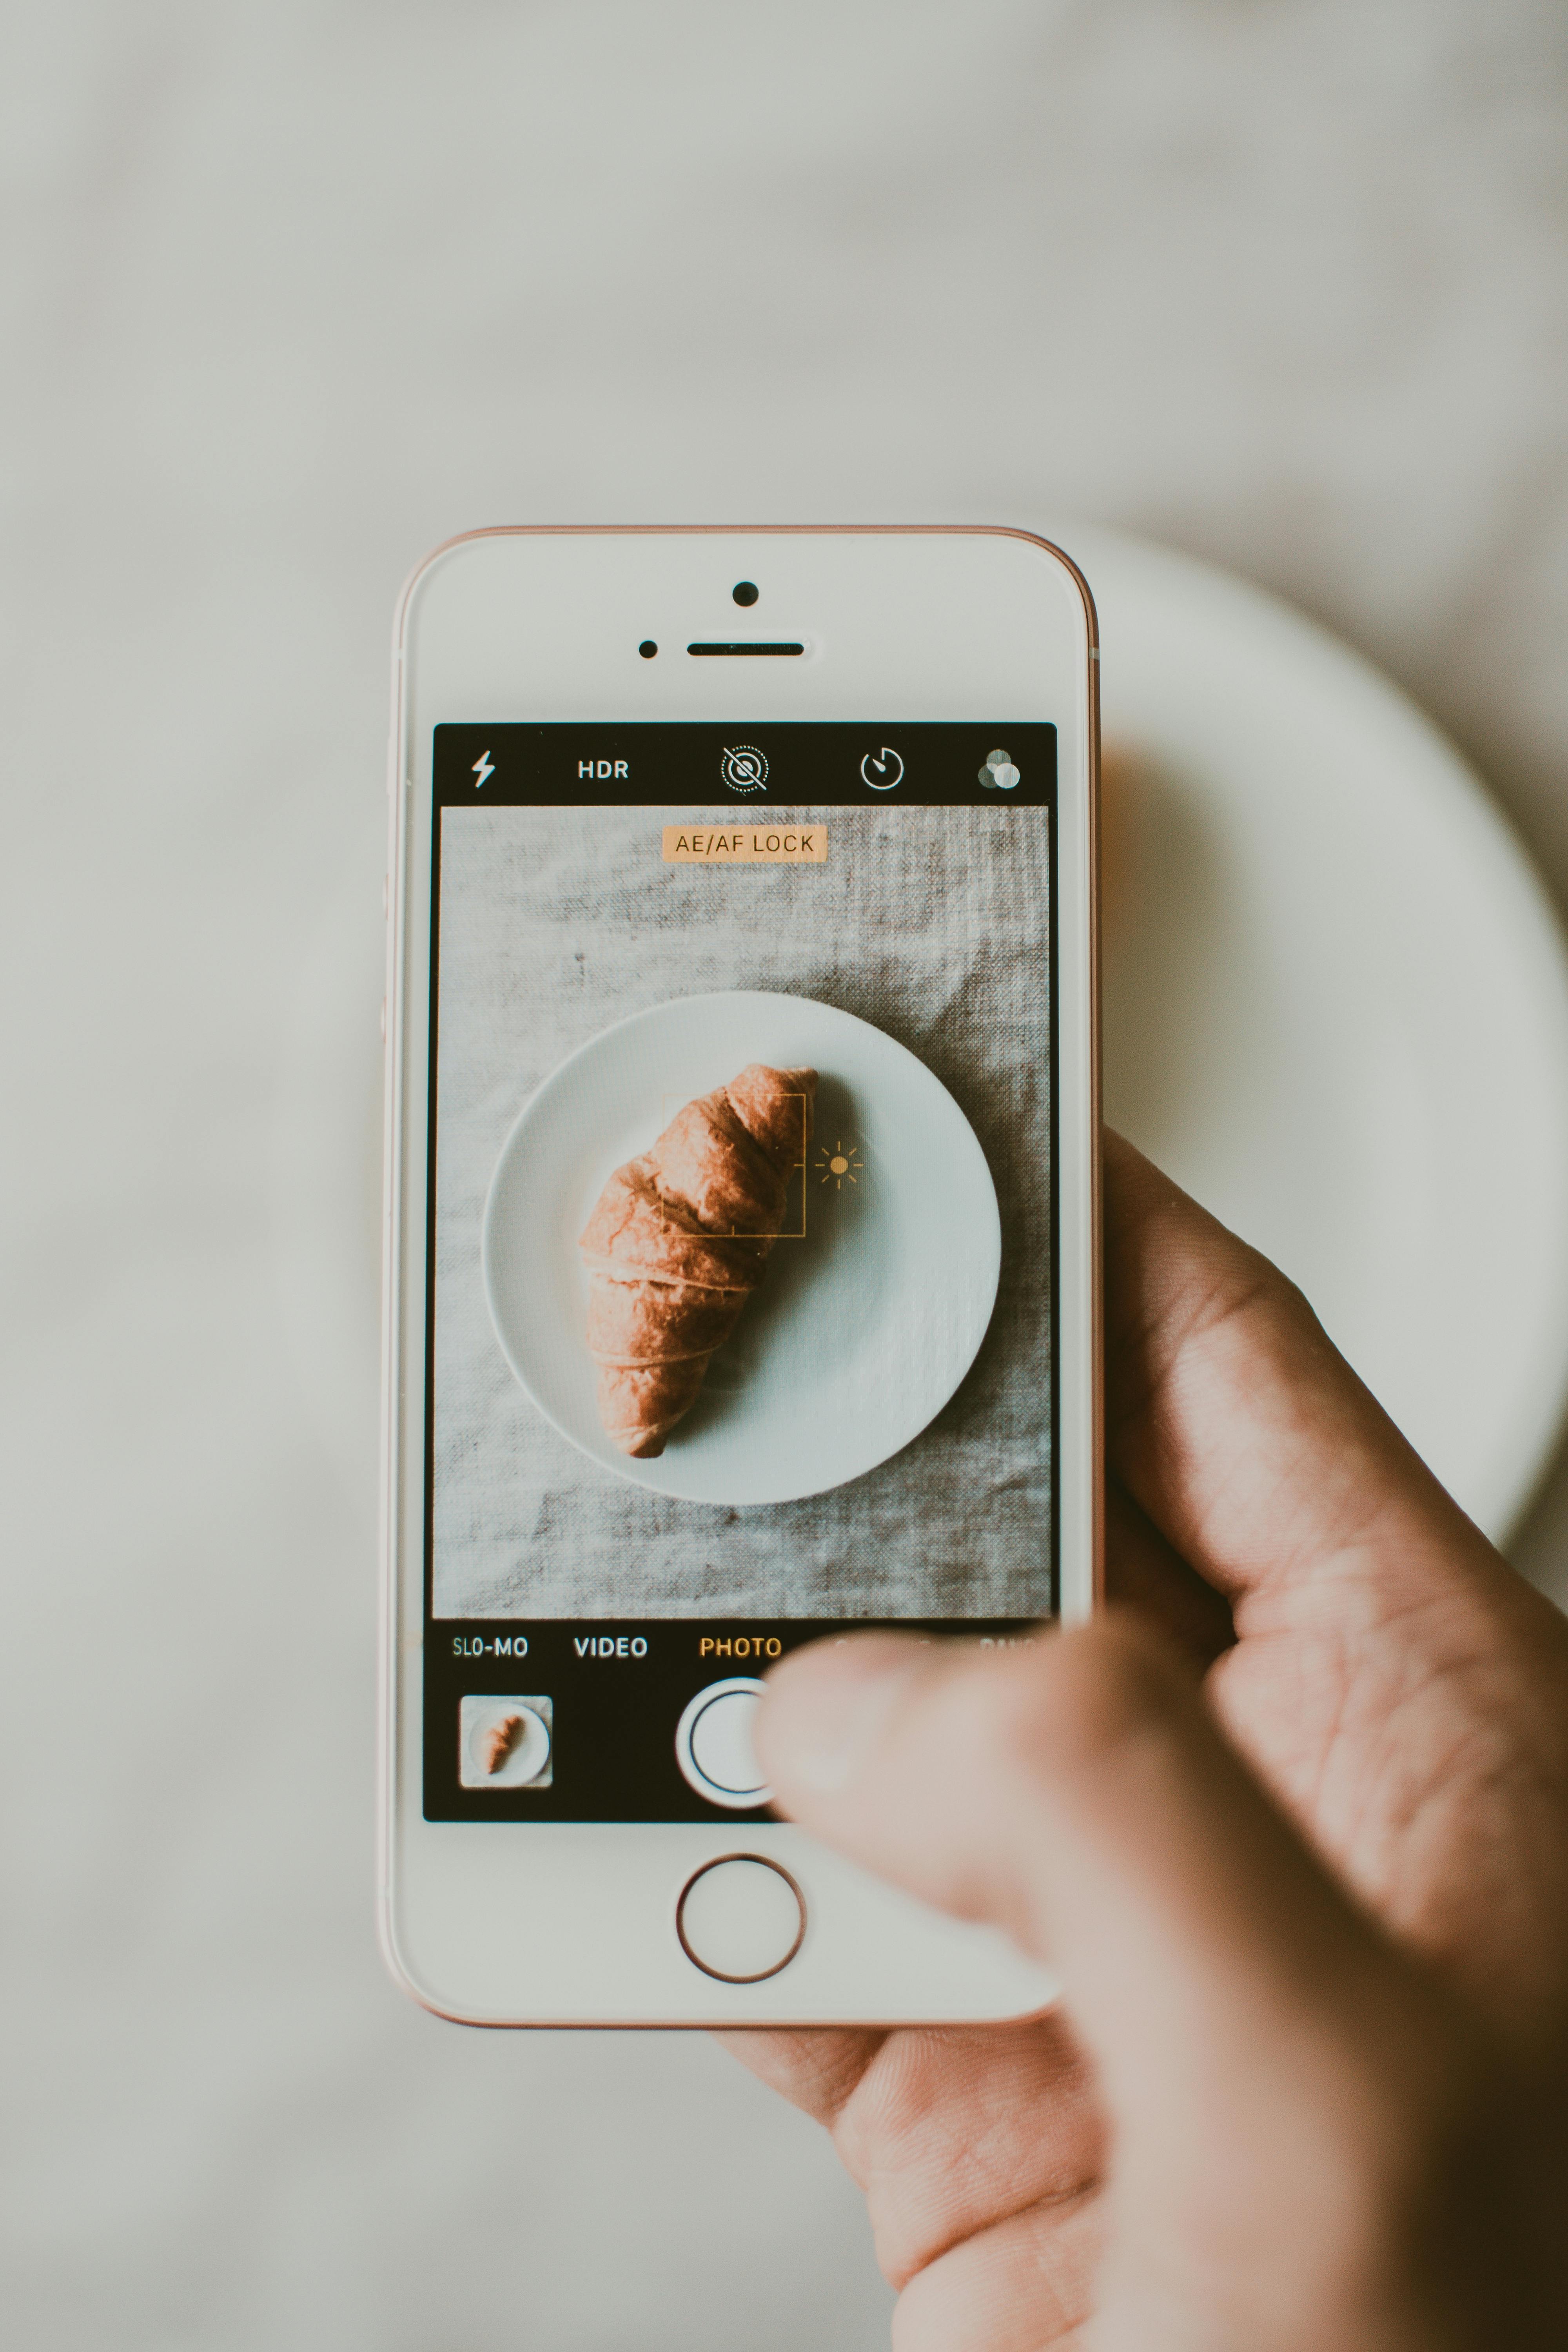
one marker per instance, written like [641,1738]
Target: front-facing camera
[648,649]
[745,592]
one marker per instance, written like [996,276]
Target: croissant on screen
[500,1740]
[678,1240]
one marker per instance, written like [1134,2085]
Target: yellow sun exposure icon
[841,1165]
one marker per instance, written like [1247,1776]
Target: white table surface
[298,292]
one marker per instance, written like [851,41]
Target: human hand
[1316,2019]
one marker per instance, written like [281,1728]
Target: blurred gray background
[292,292]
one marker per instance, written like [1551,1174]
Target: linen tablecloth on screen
[931,923]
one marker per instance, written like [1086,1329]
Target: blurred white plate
[860,1331]
[1337,1006]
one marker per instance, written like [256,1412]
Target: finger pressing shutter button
[713,1744]
[740,1918]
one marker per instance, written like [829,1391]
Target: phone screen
[742,1234]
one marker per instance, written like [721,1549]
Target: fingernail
[823,1713]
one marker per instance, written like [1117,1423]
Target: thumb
[1077,1794]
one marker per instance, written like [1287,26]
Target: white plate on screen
[864,1325]
[1336,1005]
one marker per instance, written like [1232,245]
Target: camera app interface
[741,1238]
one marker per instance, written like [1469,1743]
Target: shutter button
[713,1744]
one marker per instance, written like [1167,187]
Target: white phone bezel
[563,1923]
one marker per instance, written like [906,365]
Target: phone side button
[740,1918]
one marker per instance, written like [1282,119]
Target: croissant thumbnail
[679,1239]
[499,1742]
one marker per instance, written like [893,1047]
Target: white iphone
[741,1270]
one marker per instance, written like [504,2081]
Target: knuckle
[1067,1708]
[1110,1687]
[1000,1709]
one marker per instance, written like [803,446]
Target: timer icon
[881,769]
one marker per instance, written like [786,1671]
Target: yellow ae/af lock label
[745,844]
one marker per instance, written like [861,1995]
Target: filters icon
[999,774]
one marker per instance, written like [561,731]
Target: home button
[740,1918]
